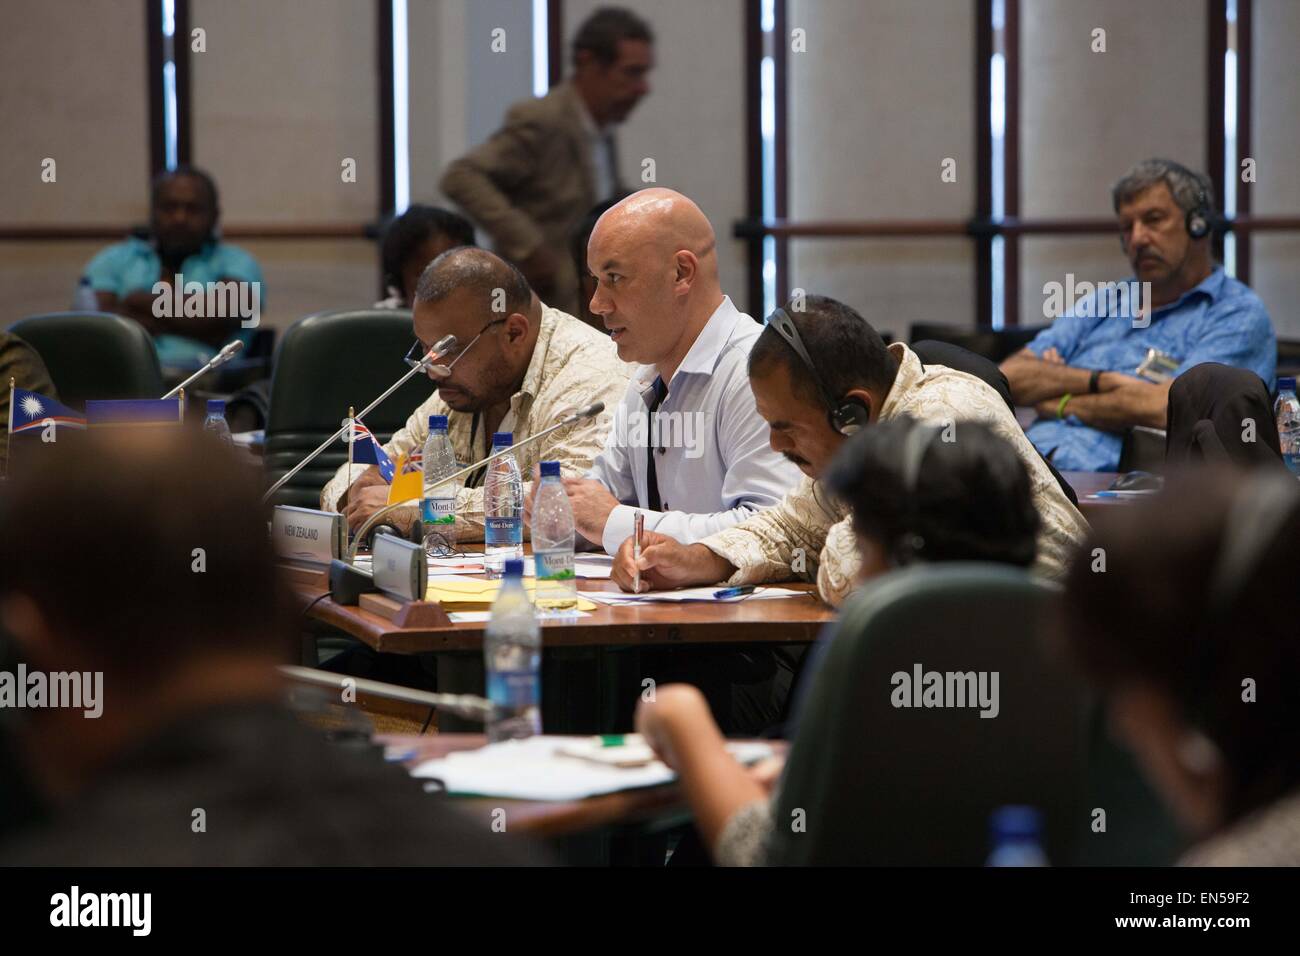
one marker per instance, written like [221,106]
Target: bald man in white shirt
[687,446]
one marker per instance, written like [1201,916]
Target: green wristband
[1060,409]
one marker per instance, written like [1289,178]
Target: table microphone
[469,706]
[589,411]
[440,348]
[229,351]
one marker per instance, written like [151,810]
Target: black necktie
[651,479]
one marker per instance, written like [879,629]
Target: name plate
[306,535]
[399,567]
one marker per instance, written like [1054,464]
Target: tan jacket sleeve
[778,544]
[837,573]
[482,182]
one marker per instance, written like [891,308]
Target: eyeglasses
[418,351]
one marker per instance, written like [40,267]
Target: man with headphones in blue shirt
[1107,363]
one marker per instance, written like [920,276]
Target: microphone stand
[221,358]
[440,348]
[590,411]
[462,705]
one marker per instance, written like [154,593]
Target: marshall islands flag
[32,411]
[36,418]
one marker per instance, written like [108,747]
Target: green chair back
[324,363]
[94,355]
[868,782]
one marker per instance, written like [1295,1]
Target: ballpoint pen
[742,591]
[638,525]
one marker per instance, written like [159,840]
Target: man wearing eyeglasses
[520,367]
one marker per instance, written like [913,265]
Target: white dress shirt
[714,466]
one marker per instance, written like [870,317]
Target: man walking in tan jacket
[531,184]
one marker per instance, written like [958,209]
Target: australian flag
[30,411]
[366,450]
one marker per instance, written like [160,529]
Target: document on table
[472,594]
[482,617]
[585,566]
[536,769]
[685,595]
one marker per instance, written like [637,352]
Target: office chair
[324,363]
[94,355]
[876,784]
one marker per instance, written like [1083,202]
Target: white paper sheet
[482,617]
[532,770]
[683,595]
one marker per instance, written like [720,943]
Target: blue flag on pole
[366,450]
[32,411]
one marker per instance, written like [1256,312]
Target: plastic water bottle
[503,509]
[1286,409]
[438,506]
[1016,837]
[84,300]
[216,422]
[552,533]
[512,660]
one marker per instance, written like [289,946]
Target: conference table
[594,659]
[592,664]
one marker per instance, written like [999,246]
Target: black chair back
[873,782]
[324,363]
[94,355]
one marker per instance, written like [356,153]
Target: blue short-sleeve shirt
[1220,320]
[134,266]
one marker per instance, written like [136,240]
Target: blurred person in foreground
[1191,634]
[182,613]
[970,499]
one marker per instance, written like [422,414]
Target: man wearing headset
[819,374]
[1107,363]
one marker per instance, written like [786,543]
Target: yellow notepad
[469,594]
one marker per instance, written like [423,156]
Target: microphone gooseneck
[228,351]
[440,348]
[589,411]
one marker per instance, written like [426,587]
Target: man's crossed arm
[1120,402]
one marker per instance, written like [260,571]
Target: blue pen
[733,592]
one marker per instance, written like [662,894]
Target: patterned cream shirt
[572,366]
[809,535]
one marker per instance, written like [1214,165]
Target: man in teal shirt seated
[138,277]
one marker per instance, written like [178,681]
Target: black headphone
[915,445]
[1200,218]
[846,416]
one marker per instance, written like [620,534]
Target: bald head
[655,262]
[662,221]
